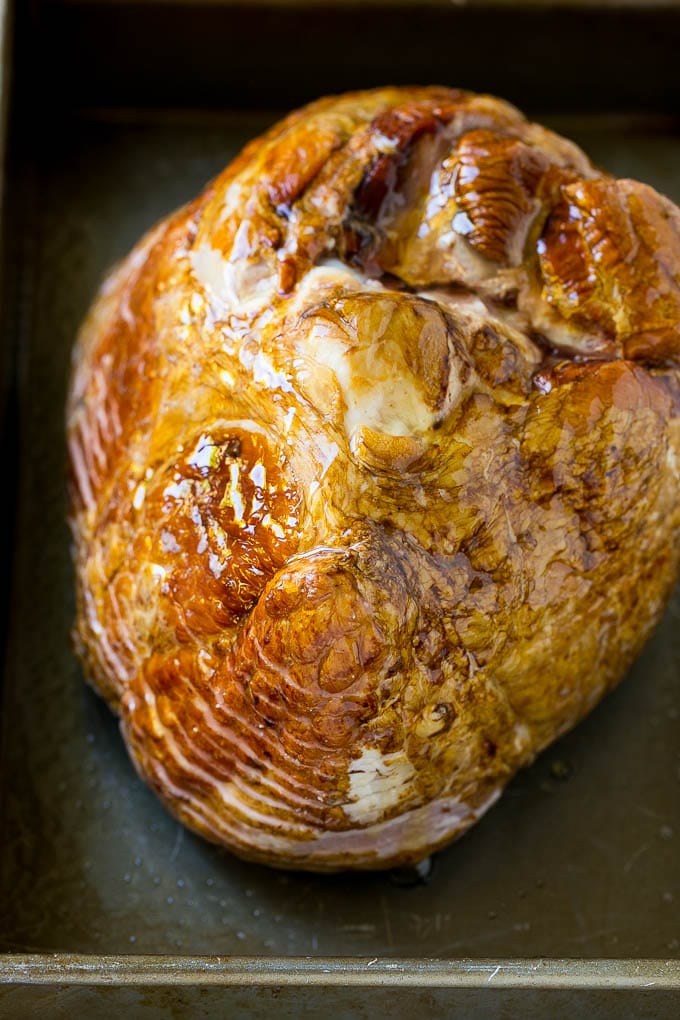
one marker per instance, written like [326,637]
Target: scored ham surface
[374,472]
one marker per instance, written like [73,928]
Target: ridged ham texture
[374,472]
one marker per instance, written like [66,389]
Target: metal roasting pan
[565,900]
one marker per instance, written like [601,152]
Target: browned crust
[352,546]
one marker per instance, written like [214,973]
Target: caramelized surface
[374,456]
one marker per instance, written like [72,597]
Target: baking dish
[566,895]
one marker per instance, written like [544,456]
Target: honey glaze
[374,460]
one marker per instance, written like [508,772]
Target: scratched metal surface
[579,859]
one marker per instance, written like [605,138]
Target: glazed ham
[374,454]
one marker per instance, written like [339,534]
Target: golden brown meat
[374,457]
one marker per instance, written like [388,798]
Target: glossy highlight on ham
[374,457]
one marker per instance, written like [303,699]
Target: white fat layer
[330,272]
[522,735]
[243,285]
[378,389]
[377,782]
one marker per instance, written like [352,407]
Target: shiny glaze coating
[374,453]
